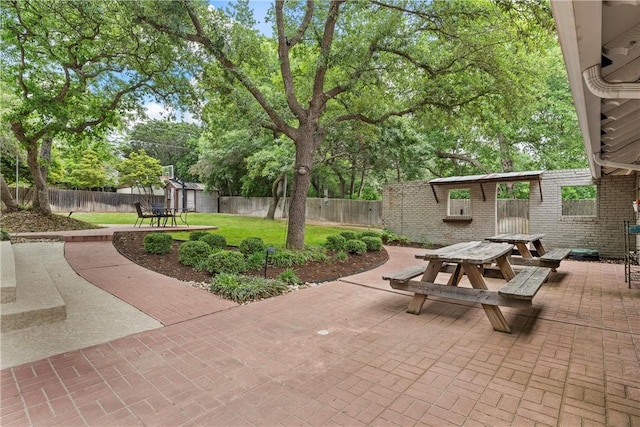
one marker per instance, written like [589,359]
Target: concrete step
[37,300]
[7,273]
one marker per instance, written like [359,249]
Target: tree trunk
[40,197]
[275,193]
[7,198]
[45,157]
[299,190]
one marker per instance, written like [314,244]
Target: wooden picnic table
[522,242]
[546,257]
[470,258]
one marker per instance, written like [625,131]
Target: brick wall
[410,209]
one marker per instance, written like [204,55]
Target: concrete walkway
[342,353]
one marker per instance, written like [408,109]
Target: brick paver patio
[346,353]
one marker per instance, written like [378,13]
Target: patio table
[522,242]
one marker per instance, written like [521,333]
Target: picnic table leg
[493,312]
[539,248]
[429,276]
[454,280]
[524,250]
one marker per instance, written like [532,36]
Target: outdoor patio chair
[141,215]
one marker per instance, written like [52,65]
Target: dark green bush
[369,233]
[197,235]
[356,247]
[251,245]
[246,288]
[288,258]
[349,235]
[341,256]
[157,243]
[214,240]
[335,242]
[289,277]
[390,237]
[231,262]
[256,261]
[193,253]
[373,243]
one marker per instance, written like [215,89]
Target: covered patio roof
[487,178]
[600,43]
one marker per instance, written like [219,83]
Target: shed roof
[188,185]
[491,177]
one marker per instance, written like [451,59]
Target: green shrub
[193,253]
[390,237]
[356,247]
[256,261]
[287,258]
[251,245]
[214,240]
[197,235]
[289,277]
[370,233]
[341,256]
[335,242]
[349,235]
[246,288]
[373,243]
[157,243]
[231,262]
[4,235]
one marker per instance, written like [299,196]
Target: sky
[157,111]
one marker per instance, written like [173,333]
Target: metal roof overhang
[488,178]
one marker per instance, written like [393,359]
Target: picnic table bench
[546,258]
[470,257]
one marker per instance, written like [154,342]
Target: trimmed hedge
[231,262]
[356,247]
[193,253]
[251,245]
[214,240]
[335,242]
[373,243]
[157,243]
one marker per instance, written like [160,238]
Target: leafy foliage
[373,243]
[224,261]
[251,245]
[158,243]
[290,258]
[140,170]
[242,289]
[197,235]
[289,277]
[335,242]
[214,240]
[193,253]
[355,247]
[349,235]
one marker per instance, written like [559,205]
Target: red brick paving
[572,360]
[163,298]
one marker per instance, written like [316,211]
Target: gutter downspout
[607,90]
[609,164]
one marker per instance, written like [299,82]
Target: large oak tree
[76,67]
[342,61]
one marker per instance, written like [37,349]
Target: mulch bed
[130,245]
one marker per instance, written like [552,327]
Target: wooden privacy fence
[512,216]
[343,211]
[580,207]
[88,201]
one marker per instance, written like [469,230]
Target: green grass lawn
[234,228]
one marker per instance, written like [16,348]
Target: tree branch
[464,158]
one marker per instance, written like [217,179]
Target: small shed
[190,196]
